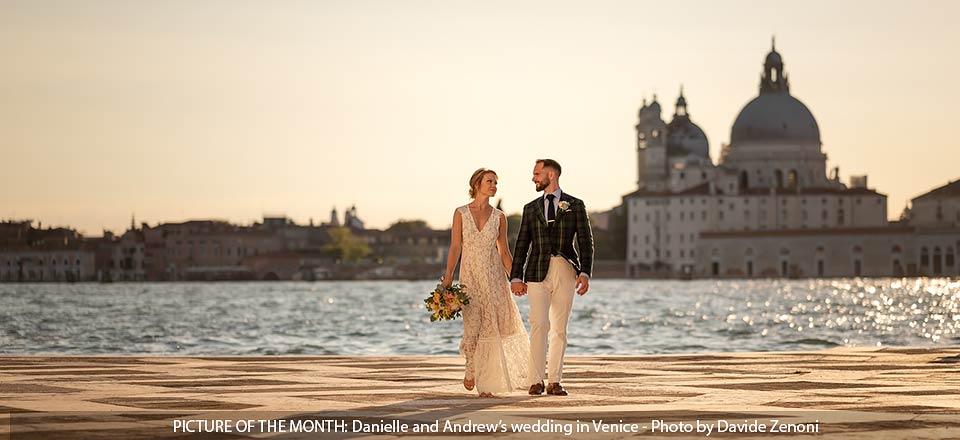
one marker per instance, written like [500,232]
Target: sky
[231,109]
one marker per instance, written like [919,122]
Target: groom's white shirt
[546,209]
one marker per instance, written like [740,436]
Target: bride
[495,342]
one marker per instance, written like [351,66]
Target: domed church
[766,208]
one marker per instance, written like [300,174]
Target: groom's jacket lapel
[538,203]
[564,198]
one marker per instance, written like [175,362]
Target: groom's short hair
[550,163]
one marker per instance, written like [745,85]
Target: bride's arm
[503,247]
[456,244]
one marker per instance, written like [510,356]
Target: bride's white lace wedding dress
[495,342]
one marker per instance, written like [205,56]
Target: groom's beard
[543,185]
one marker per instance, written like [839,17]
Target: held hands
[583,284]
[518,288]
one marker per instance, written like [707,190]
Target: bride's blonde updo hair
[476,178]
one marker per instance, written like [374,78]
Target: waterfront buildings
[768,207]
[274,249]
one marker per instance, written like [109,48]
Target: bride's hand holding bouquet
[446,301]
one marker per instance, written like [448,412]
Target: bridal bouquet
[446,302]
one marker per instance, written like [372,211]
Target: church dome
[774,58]
[775,117]
[685,138]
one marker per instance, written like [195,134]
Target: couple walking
[546,267]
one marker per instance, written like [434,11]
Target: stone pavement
[842,393]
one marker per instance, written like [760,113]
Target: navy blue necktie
[551,211]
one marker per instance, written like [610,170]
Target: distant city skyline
[173,111]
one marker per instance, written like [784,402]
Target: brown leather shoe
[536,389]
[555,389]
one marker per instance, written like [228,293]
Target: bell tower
[651,148]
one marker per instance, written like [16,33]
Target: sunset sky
[174,110]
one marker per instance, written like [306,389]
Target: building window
[792,179]
[924,257]
[703,215]
[819,268]
[681,215]
[937,263]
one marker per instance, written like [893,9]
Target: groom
[545,246]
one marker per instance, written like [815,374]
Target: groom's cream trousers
[550,303]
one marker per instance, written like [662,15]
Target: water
[388,317]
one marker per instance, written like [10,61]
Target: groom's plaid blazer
[531,256]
